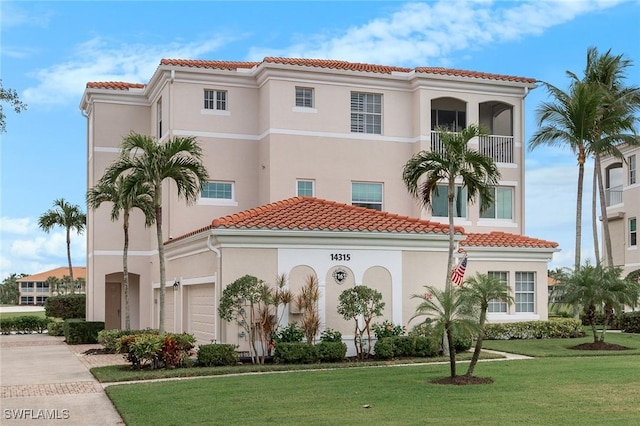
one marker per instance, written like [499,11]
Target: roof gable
[78,272]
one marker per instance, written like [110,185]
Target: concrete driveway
[42,381]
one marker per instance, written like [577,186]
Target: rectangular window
[367,195]
[215,100]
[502,207]
[26,300]
[26,287]
[440,202]
[304,97]
[633,232]
[42,287]
[494,304]
[159,117]
[632,169]
[366,113]
[525,291]
[218,190]
[305,188]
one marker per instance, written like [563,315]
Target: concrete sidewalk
[43,381]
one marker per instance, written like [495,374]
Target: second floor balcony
[613,195]
[500,148]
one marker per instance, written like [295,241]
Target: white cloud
[429,33]
[20,226]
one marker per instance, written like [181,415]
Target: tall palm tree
[149,163]
[480,290]
[615,121]
[568,120]
[141,198]
[450,314]
[68,216]
[478,173]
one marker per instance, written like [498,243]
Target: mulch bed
[463,381]
[599,346]
[100,351]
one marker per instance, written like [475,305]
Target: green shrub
[615,321]
[217,354]
[66,306]
[463,340]
[384,348]
[406,346]
[109,338]
[630,322]
[78,331]
[387,329]
[148,348]
[55,328]
[331,351]
[289,334]
[331,335]
[554,328]
[295,353]
[7,325]
[175,348]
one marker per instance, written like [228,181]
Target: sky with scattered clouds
[51,49]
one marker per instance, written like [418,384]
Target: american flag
[457,274]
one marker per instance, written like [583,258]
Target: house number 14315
[341,257]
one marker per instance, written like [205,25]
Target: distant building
[34,289]
[305,160]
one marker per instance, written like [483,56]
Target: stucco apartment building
[305,160]
[34,289]
[622,191]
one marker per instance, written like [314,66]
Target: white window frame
[305,97]
[212,100]
[633,232]
[633,171]
[159,118]
[460,192]
[497,306]
[313,187]
[525,297]
[366,113]
[368,202]
[28,287]
[210,201]
[498,197]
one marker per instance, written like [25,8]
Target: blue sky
[50,50]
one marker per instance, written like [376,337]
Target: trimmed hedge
[295,353]
[25,324]
[77,331]
[66,306]
[615,321]
[630,322]
[55,328]
[217,354]
[406,346]
[554,328]
[331,351]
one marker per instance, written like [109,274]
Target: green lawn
[560,347]
[39,314]
[562,391]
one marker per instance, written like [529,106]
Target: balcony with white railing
[613,195]
[499,148]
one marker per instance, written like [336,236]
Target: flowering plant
[387,329]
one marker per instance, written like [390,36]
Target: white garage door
[201,316]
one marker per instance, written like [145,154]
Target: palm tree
[614,123]
[479,174]
[568,120]
[597,288]
[149,163]
[450,313]
[480,290]
[68,216]
[141,198]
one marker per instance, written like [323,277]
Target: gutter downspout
[218,290]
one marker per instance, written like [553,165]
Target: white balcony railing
[498,147]
[613,195]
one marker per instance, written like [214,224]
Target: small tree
[10,289]
[307,302]
[270,313]
[361,304]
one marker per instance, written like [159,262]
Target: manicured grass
[560,347]
[117,373]
[39,314]
[584,391]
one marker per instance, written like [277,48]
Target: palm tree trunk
[478,348]
[125,270]
[606,236]
[594,214]
[69,259]
[162,268]
[578,253]
[452,351]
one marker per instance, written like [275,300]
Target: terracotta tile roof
[344,65]
[473,74]
[78,272]
[504,239]
[307,213]
[115,85]
[224,65]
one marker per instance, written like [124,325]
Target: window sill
[304,109]
[518,316]
[215,112]
[217,202]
